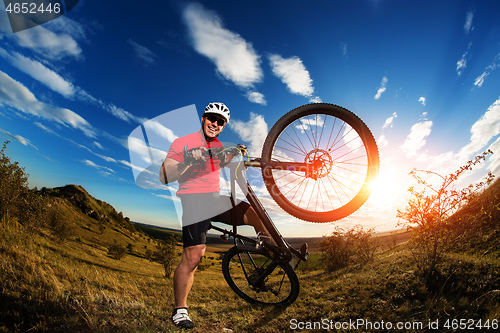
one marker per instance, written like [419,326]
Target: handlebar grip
[188,156]
[209,153]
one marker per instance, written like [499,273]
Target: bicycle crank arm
[257,280]
[228,233]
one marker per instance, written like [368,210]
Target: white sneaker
[295,260]
[181,318]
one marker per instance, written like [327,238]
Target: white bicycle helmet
[218,108]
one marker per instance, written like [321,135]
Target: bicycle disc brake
[321,163]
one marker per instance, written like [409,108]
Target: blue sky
[423,75]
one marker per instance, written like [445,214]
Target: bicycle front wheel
[341,155]
[257,278]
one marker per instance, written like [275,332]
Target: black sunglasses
[214,119]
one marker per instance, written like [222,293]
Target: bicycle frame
[283,250]
[322,143]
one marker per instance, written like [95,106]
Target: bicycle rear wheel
[257,278]
[340,147]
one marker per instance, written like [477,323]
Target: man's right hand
[171,169]
[194,155]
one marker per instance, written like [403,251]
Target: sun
[387,188]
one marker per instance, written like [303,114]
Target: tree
[165,253]
[17,202]
[429,209]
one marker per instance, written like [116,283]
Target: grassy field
[51,283]
[73,286]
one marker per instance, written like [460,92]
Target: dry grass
[76,287]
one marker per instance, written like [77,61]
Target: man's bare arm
[171,170]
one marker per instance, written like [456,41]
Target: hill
[476,227]
[90,220]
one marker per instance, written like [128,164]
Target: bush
[117,251]
[59,225]
[427,215]
[17,202]
[343,248]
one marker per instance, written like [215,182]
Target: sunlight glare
[386,188]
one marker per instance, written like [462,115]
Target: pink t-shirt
[199,178]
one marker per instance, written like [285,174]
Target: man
[198,179]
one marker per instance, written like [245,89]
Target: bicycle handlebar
[311,170]
[212,152]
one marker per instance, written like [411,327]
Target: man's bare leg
[184,273]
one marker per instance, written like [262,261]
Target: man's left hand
[242,148]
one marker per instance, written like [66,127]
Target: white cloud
[104,157]
[343,48]
[253,131]
[480,79]
[48,43]
[462,63]
[293,73]
[162,131]
[382,88]
[65,25]
[148,155]
[39,72]
[315,99]
[22,140]
[143,53]
[168,197]
[45,128]
[483,130]
[417,138]
[495,158]
[14,94]
[422,100]
[104,171]
[98,145]
[468,22]
[98,167]
[487,71]
[120,113]
[389,121]
[256,97]
[382,141]
[234,58]
[134,167]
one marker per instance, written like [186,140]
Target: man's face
[211,126]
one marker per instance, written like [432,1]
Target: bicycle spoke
[257,278]
[298,138]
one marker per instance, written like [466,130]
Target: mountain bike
[317,163]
